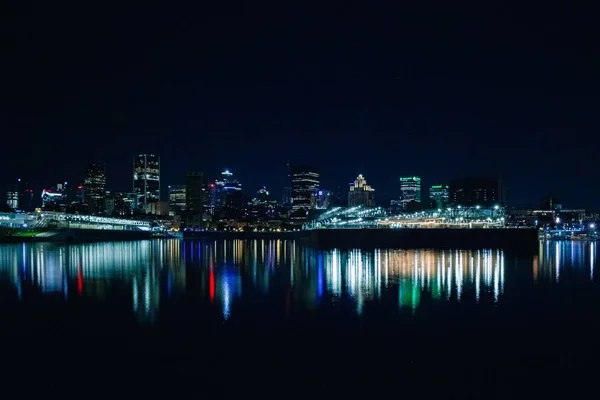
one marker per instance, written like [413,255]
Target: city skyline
[388,186]
[347,98]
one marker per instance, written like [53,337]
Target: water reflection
[558,257]
[227,274]
[94,270]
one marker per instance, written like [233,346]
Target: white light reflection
[592,261]
[557,262]
[445,274]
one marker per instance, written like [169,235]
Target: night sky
[437,92]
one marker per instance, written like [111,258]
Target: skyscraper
[305,182]
[176,199]
[194,197]
[439,196]
[19,196]
[361,194]
[410,190]
[482,191]
[146,179]
[94,186]
[228,196]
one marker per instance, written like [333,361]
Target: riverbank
[513,239]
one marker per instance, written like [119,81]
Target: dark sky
[437,91]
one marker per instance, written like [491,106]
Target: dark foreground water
[271,318]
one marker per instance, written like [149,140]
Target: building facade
[228,199]
[410,190]
[305,183]
[177,195]
[194,197]
[360,193]
[94,187]
[477,191]
[19,196]
[439,196]
[146,179]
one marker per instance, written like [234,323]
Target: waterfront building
[227,198]
[305,182]
[322,199]
[19,196]
[94,187]
[146,179]
[439,196]
[360,193]
[177,199]
[194,197]
[477,191]
[410,190]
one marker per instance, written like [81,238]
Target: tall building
[322,199]
[286,199]
[176,199]
[410,190]
[474,191]
[13,195]
[146,179]
[439,196]
[56,199]
[305,182]
[19,196]
[361,194]
[194,197]
[228,196]
[94,186]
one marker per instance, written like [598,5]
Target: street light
[592,226]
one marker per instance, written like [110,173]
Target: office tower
[12,195]
[194,197]
[19,196]
[176,199]
[286,199]
[146,179]
[477,191]
[94,186]
[56,199]
[305,182]
[439,196]
[229,199]
[410,190]
[361,194]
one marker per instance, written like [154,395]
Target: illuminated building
[262,206]
[94,186]
[361,194]
[146,179]
[286,199]
[322,199]
[228,197]
[439,196]
[478,191]
[410,190]
[19,196]
[12,196]
[176,199]
[55,199]
[305,182]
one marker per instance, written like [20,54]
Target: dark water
[451,323]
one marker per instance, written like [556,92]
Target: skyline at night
[468,90]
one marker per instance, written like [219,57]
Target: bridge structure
[57,220]
[378,218]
